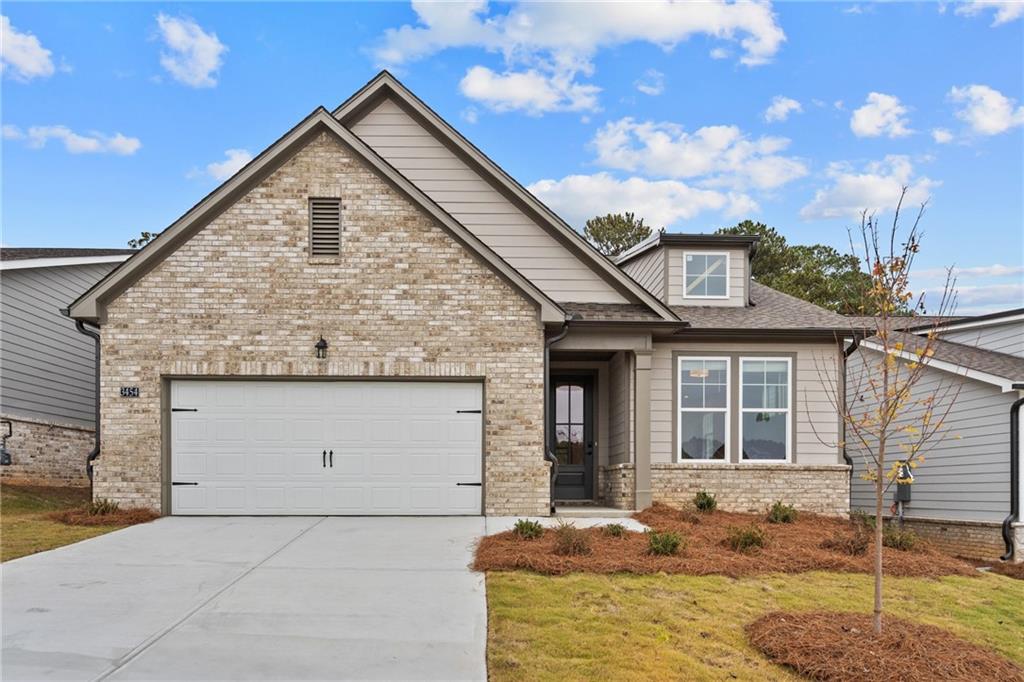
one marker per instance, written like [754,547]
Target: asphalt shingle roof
[970,357]
[27,253]
[770,309]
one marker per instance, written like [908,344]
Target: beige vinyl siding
[737,277]
[475,203]
[815,371]
[1004,338]
[649,271]
[620,398]
[966,471]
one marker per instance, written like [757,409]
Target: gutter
[846,455]
[95,452]
[1014,514]
[549,427]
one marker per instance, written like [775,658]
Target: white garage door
[326,447]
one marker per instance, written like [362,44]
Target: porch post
[642,465]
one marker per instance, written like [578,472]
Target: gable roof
[386,85]
[91,305]
[747,241]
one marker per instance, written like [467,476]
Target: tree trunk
[879,499]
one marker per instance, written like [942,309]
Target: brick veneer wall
[820,489]
[243,298]
[974,539]
[47,453]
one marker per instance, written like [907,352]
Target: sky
[118,117]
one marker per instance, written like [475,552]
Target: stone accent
[47,453]
[751,488]
[972,539]
[243,297]
[619,489]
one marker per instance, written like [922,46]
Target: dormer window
[706,275]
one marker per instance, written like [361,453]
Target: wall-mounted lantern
[321,349]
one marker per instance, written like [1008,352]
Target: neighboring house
[47,368]
[371,318]
[961,493]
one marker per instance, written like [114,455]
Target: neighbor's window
[706,275]
[765,408]
[703,408]
[324,227]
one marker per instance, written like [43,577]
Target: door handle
[325,459]
[331,455]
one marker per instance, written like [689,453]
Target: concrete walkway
[252,598]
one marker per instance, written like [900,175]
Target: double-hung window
[706,275]
[765,399]
[703,419]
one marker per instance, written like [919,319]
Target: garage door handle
[467,411]
[331,455]
[184,483]
[473,484]
[325,459]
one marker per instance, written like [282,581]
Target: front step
[591,511]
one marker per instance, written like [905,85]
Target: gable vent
[325,227]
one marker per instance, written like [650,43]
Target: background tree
[143,239]
[816,273]
[614,233]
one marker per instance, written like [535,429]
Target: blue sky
[119,117]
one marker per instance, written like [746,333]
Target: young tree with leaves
[614,233]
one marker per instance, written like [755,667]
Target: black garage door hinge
[184,409]
[467,411]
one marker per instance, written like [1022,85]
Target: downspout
[1014,514]
[846,455]
[549,427]
[95,453]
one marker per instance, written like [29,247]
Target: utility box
[904,479]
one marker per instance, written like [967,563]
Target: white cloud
[193,56]
[719,53]
[875,188]
[719,155]
[93,143]
[1005,10]
[530,91]
[659,202]
[881,115]
[995,270]
[780,109]
[22,56]
[234,160]
[942,135]
[978,300]
[653,83]
[986,110]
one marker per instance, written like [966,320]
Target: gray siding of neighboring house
[475,203]
[1004,338]
[649,271]
[965,474]
[47,368]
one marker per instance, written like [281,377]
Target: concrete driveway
[252,598]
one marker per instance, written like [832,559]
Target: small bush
[781,513]
[103,507]
[571,541]
[705,502]
[528,530]
[855,543]
[746,538]
[615,530]
[664,543]
[860,518]
[899,538]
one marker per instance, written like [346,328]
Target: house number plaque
[129,391]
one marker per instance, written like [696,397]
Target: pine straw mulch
[792,548]
[81,516]
[842,646]
[1004,568]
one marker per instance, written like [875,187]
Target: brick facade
[819,489]
[47,453]
[972,539]
[242,297]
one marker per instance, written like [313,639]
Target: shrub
[705,502]
[861,518]
[855,543]
[615,530]
[528,530]
[899,538]
[103,507]
[570,540]
[664,543]
[746,538]
[781,513]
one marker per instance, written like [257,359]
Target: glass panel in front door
[569,445]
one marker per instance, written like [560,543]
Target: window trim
[789,409]
[677,457]
[728,263]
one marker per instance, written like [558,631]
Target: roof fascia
[987,321]
[25,263]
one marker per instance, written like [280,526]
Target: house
[47,369]
[962,494]
[372,317]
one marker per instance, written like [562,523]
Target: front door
[573,406]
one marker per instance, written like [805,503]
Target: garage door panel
[255,447]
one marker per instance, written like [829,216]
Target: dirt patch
[122,517]
[842,646]
[791,548]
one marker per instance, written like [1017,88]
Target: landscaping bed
[835,646]
[707,542]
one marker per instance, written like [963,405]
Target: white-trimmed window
[702,427]
[705,274]
[765,406]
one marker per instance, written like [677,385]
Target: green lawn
[24,528]
[629,627]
